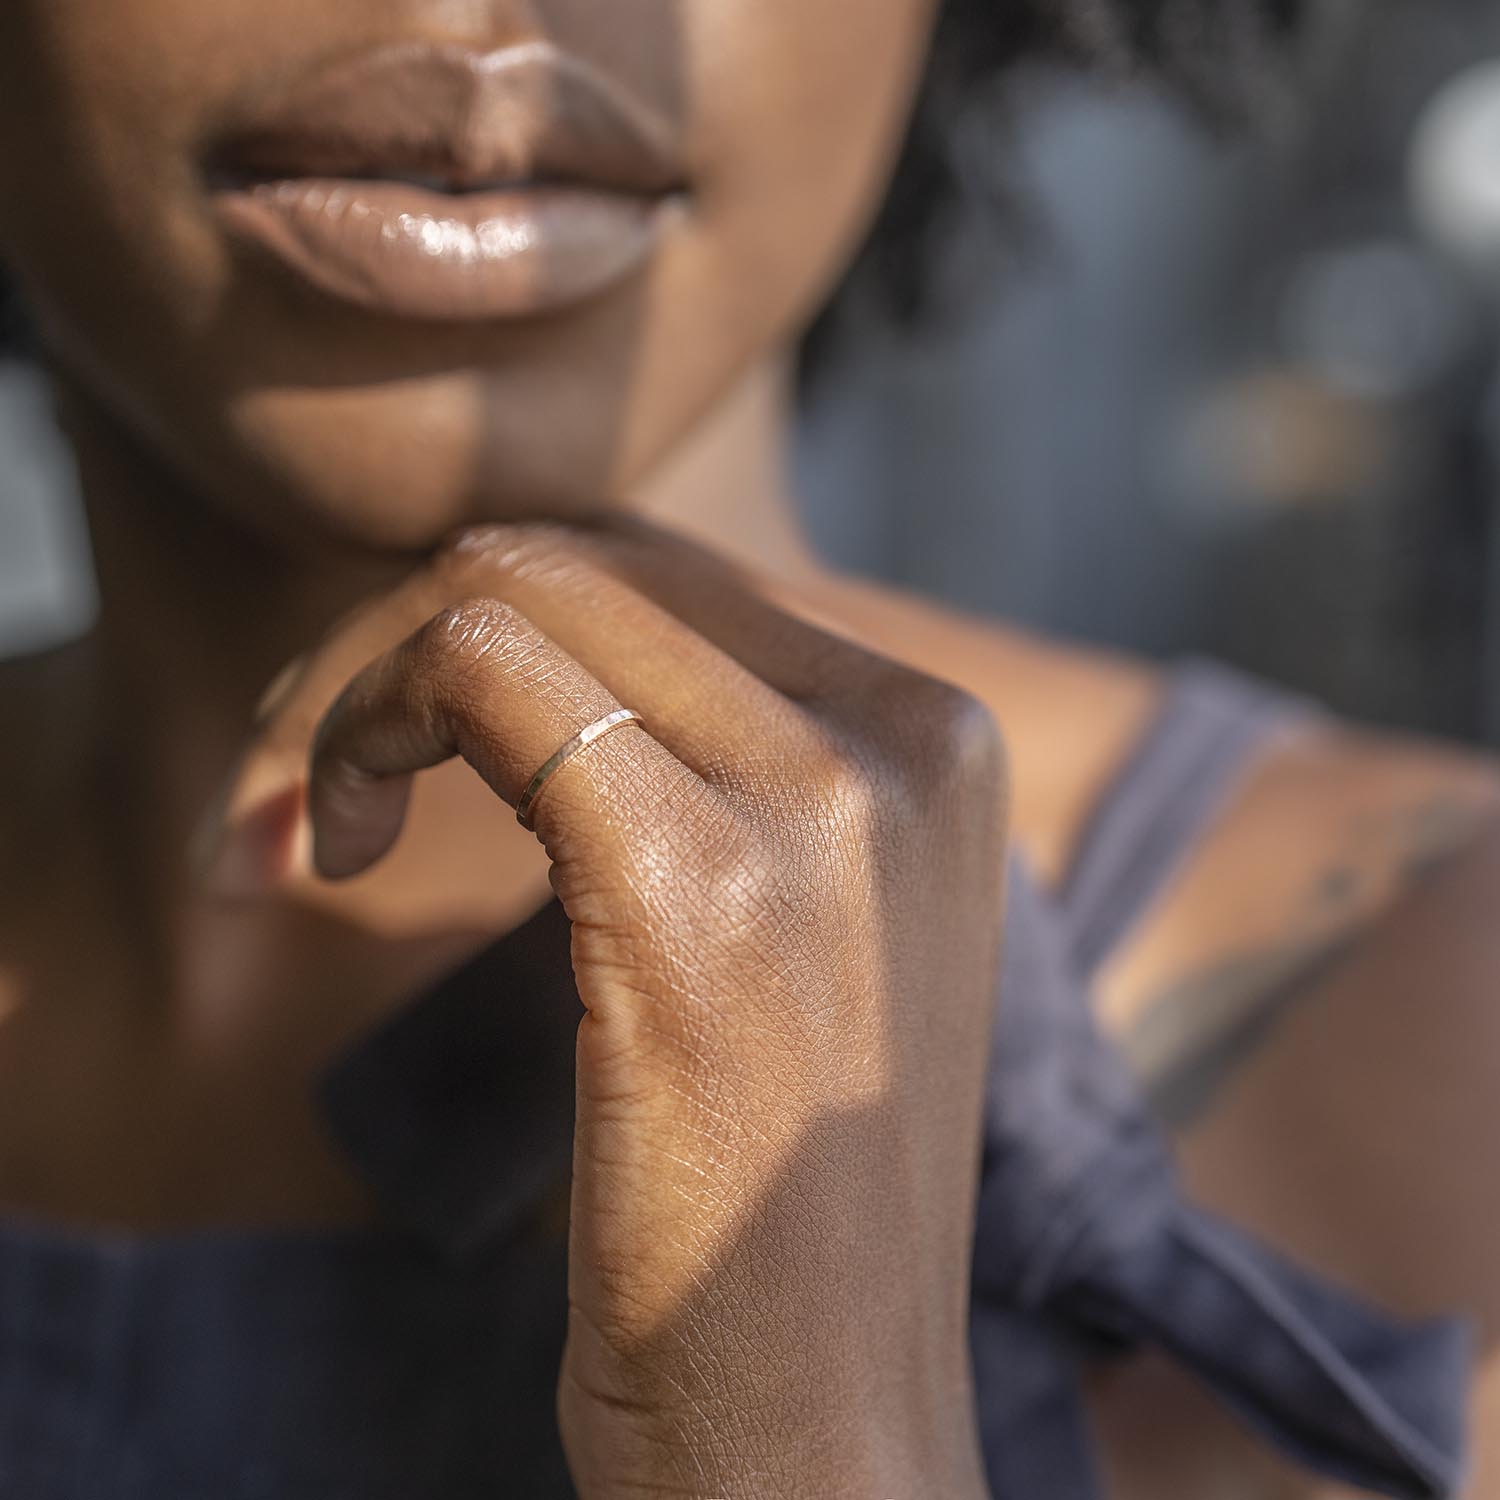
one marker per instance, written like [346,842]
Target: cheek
[100,203]
[799,107]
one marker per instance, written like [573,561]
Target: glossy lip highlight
[442,183]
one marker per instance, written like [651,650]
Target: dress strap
[1086,1248]
[1209,723]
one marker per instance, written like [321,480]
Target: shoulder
[1310,1002]
[1327,828]
[1328,1056]
[1331,829]
[1343,805]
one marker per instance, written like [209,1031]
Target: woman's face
[380,267]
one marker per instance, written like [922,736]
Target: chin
[398,467]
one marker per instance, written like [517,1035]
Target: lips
[440,183]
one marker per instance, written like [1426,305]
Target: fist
[785,889]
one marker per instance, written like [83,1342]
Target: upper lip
[456,119]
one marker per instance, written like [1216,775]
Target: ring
[550,767]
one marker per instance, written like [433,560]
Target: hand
[786,898]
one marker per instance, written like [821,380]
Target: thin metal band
[550,767]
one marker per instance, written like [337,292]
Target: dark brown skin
[761,1083]
[307,417]
[785,895]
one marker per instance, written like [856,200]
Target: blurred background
[1236,396]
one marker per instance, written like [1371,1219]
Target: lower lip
[409,252]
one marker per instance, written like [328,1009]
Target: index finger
[480,681]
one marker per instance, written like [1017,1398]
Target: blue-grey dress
[418,1358]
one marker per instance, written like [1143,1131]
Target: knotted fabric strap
[1083,1239]
[1337,1385]
[1331,1382]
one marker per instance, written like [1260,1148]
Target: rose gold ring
[554,763]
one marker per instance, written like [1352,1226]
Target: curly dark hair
[1223,57]
[1217,53]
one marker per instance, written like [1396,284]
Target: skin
[756,1090]
[199,835]
[305,417]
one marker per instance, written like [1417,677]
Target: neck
[179,577]
[197,613]
[726,485]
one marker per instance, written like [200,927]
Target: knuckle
[722,865]
[457,562]
[967,735]
[941,736]
[741,880]
[474,633]
[476,556]
[710,885]
[851,788]
[920,744]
